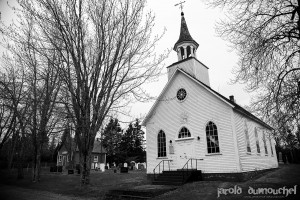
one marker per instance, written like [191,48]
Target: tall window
[257,141]
[161,144]
[247,138]
[212,138]
[265,143]
[184,133]
[271,146]
[188,50]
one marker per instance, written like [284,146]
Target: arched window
[247,138]
[265,143]
[161,144]
[257,141]
[271,146]
[189,52]
[184,133]
[212,138]
[182,53]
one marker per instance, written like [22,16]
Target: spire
[185,46]
[185,35]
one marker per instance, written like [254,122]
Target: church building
[191,126]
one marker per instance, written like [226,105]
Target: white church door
[185,151]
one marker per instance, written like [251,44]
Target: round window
[181,94]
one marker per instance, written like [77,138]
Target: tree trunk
[85,165]
[292,155]
[20,171]
[21,160]
[36,167]
[12,150]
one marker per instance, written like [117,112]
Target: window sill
[161,158]
[213,154]
[183,139]
[249,153]
[258,154]
[266,155]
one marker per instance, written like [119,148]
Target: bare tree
[107,51]
[266,35]
[12,86]
[40,81]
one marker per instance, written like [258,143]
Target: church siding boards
[201,107]
[191,66]
[253,161]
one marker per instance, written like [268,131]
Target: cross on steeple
[180,5]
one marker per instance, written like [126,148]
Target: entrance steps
[178,177]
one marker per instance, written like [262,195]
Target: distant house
[64,157]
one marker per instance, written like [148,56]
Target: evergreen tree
[132,142]
[111,138]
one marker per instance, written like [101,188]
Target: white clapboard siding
[200,107]
[192,67]
[253,161]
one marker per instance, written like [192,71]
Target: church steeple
[186,46]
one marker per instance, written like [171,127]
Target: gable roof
[97,148]
[235,106]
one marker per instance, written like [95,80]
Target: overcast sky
[212,51]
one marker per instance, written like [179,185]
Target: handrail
[187,166]
[163,166]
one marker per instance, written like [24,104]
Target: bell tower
[185,46]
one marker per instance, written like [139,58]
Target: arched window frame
[272,153]
[265,143]
[161,144]
[186,134]
[182,53]
[257,140]
[188,51]
[247,137]
[212,134]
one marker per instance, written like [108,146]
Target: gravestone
[280,158]
[124,169]
[125,165]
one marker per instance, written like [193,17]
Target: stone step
[177,177]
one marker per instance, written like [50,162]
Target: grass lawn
[68,185]
[286,175]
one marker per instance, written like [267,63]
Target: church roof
[185,35]
[97,148]
[235,106]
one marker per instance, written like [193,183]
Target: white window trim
[161,158]
[213,154]
[96,160]
[218,129]
[247,139]
[180,101]
[59,158]
[165,143]
[182,139]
